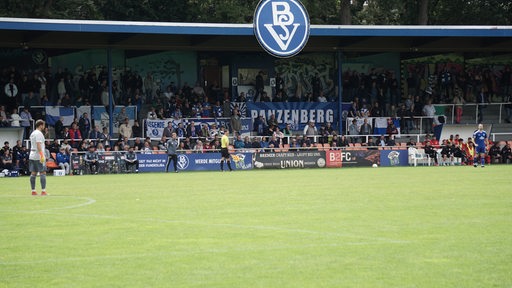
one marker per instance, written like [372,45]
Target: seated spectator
[391,141]
[63,160]
[5,148]
[100,148]
[256,144]
[198,147]
[162,144]
[431,152]
[458,150]
[95,133]
[66,145]
[470,151]
[506,154]
[6,161]
[239,143]
[447,154]
[130,160]
[371,145]
[75,135]
[91,159]
[147,148]
[382,141]
[273,143]
[495,153]
[22,160]
[343,142]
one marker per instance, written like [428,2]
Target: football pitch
[350,227]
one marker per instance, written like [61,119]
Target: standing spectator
[26,117]
[15,118]
[310,130]
[59,128]
[125,129]
[481,104]
[316,85]
[152,114]
[365,129]
[168,130]
[192,130]
[84,124]
[172,148]
[120,118]
[259,87]
[458,101]
[259,125]
[429,111]
[391,128]
[508,108]
[136,129]
[353,130]
[235,121]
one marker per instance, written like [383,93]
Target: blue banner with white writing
[211,161]
[296,113]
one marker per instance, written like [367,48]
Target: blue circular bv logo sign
[281,27]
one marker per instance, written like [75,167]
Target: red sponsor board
[333,159]
[349,157]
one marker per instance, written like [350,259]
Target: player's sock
[475,161]
[33,182]
[222,165]
[482,161]
[229,165]
[43,181]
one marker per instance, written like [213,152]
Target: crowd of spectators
[372,95]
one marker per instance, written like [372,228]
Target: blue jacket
[62,158]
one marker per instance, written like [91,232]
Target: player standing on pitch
[224,144]
[37,161]
[480,140]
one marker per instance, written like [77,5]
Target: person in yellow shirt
[224,144]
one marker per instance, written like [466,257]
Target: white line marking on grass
[88,202]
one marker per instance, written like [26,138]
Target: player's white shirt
[35,137]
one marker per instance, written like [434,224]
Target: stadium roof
[88,34]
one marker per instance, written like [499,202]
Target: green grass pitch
[350,227]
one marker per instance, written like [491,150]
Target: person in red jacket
[74,135]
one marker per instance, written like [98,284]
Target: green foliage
[369,12]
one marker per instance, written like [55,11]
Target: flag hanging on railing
[54,113]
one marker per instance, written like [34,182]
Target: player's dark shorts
[36,166]
[224,152]
[480,149]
